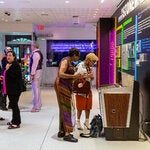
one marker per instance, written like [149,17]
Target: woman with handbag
[84,96]
[13,81]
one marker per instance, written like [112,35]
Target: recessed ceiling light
[102,1]
[26,1]
[67,2]
[1,2]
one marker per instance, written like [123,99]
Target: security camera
[7,13]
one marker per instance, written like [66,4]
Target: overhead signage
[128,7]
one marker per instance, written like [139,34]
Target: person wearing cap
[83,101]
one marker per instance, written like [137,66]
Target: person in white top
[36,61]
[83,101]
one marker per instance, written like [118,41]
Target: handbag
[81,86]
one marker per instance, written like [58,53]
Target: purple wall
[106,70]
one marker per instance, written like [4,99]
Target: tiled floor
[39,130]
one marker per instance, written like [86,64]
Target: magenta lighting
[112,57]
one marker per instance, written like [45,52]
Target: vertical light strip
[122,42]
[123,26]
[122,35]
[115,51]
[120,28]
[98,54]
[112,56]
[136,39]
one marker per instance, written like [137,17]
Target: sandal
[13,126]
[9,123]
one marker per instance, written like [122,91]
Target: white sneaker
[79,127]
[87,125]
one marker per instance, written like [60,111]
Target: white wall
[69,32]
[14,27]
[50,73]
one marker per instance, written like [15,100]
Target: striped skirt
[67,106]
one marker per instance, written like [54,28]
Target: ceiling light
[67,2]
[2,2]
[102,1]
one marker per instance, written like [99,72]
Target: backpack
[96,127]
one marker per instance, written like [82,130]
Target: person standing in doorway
[36,61]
